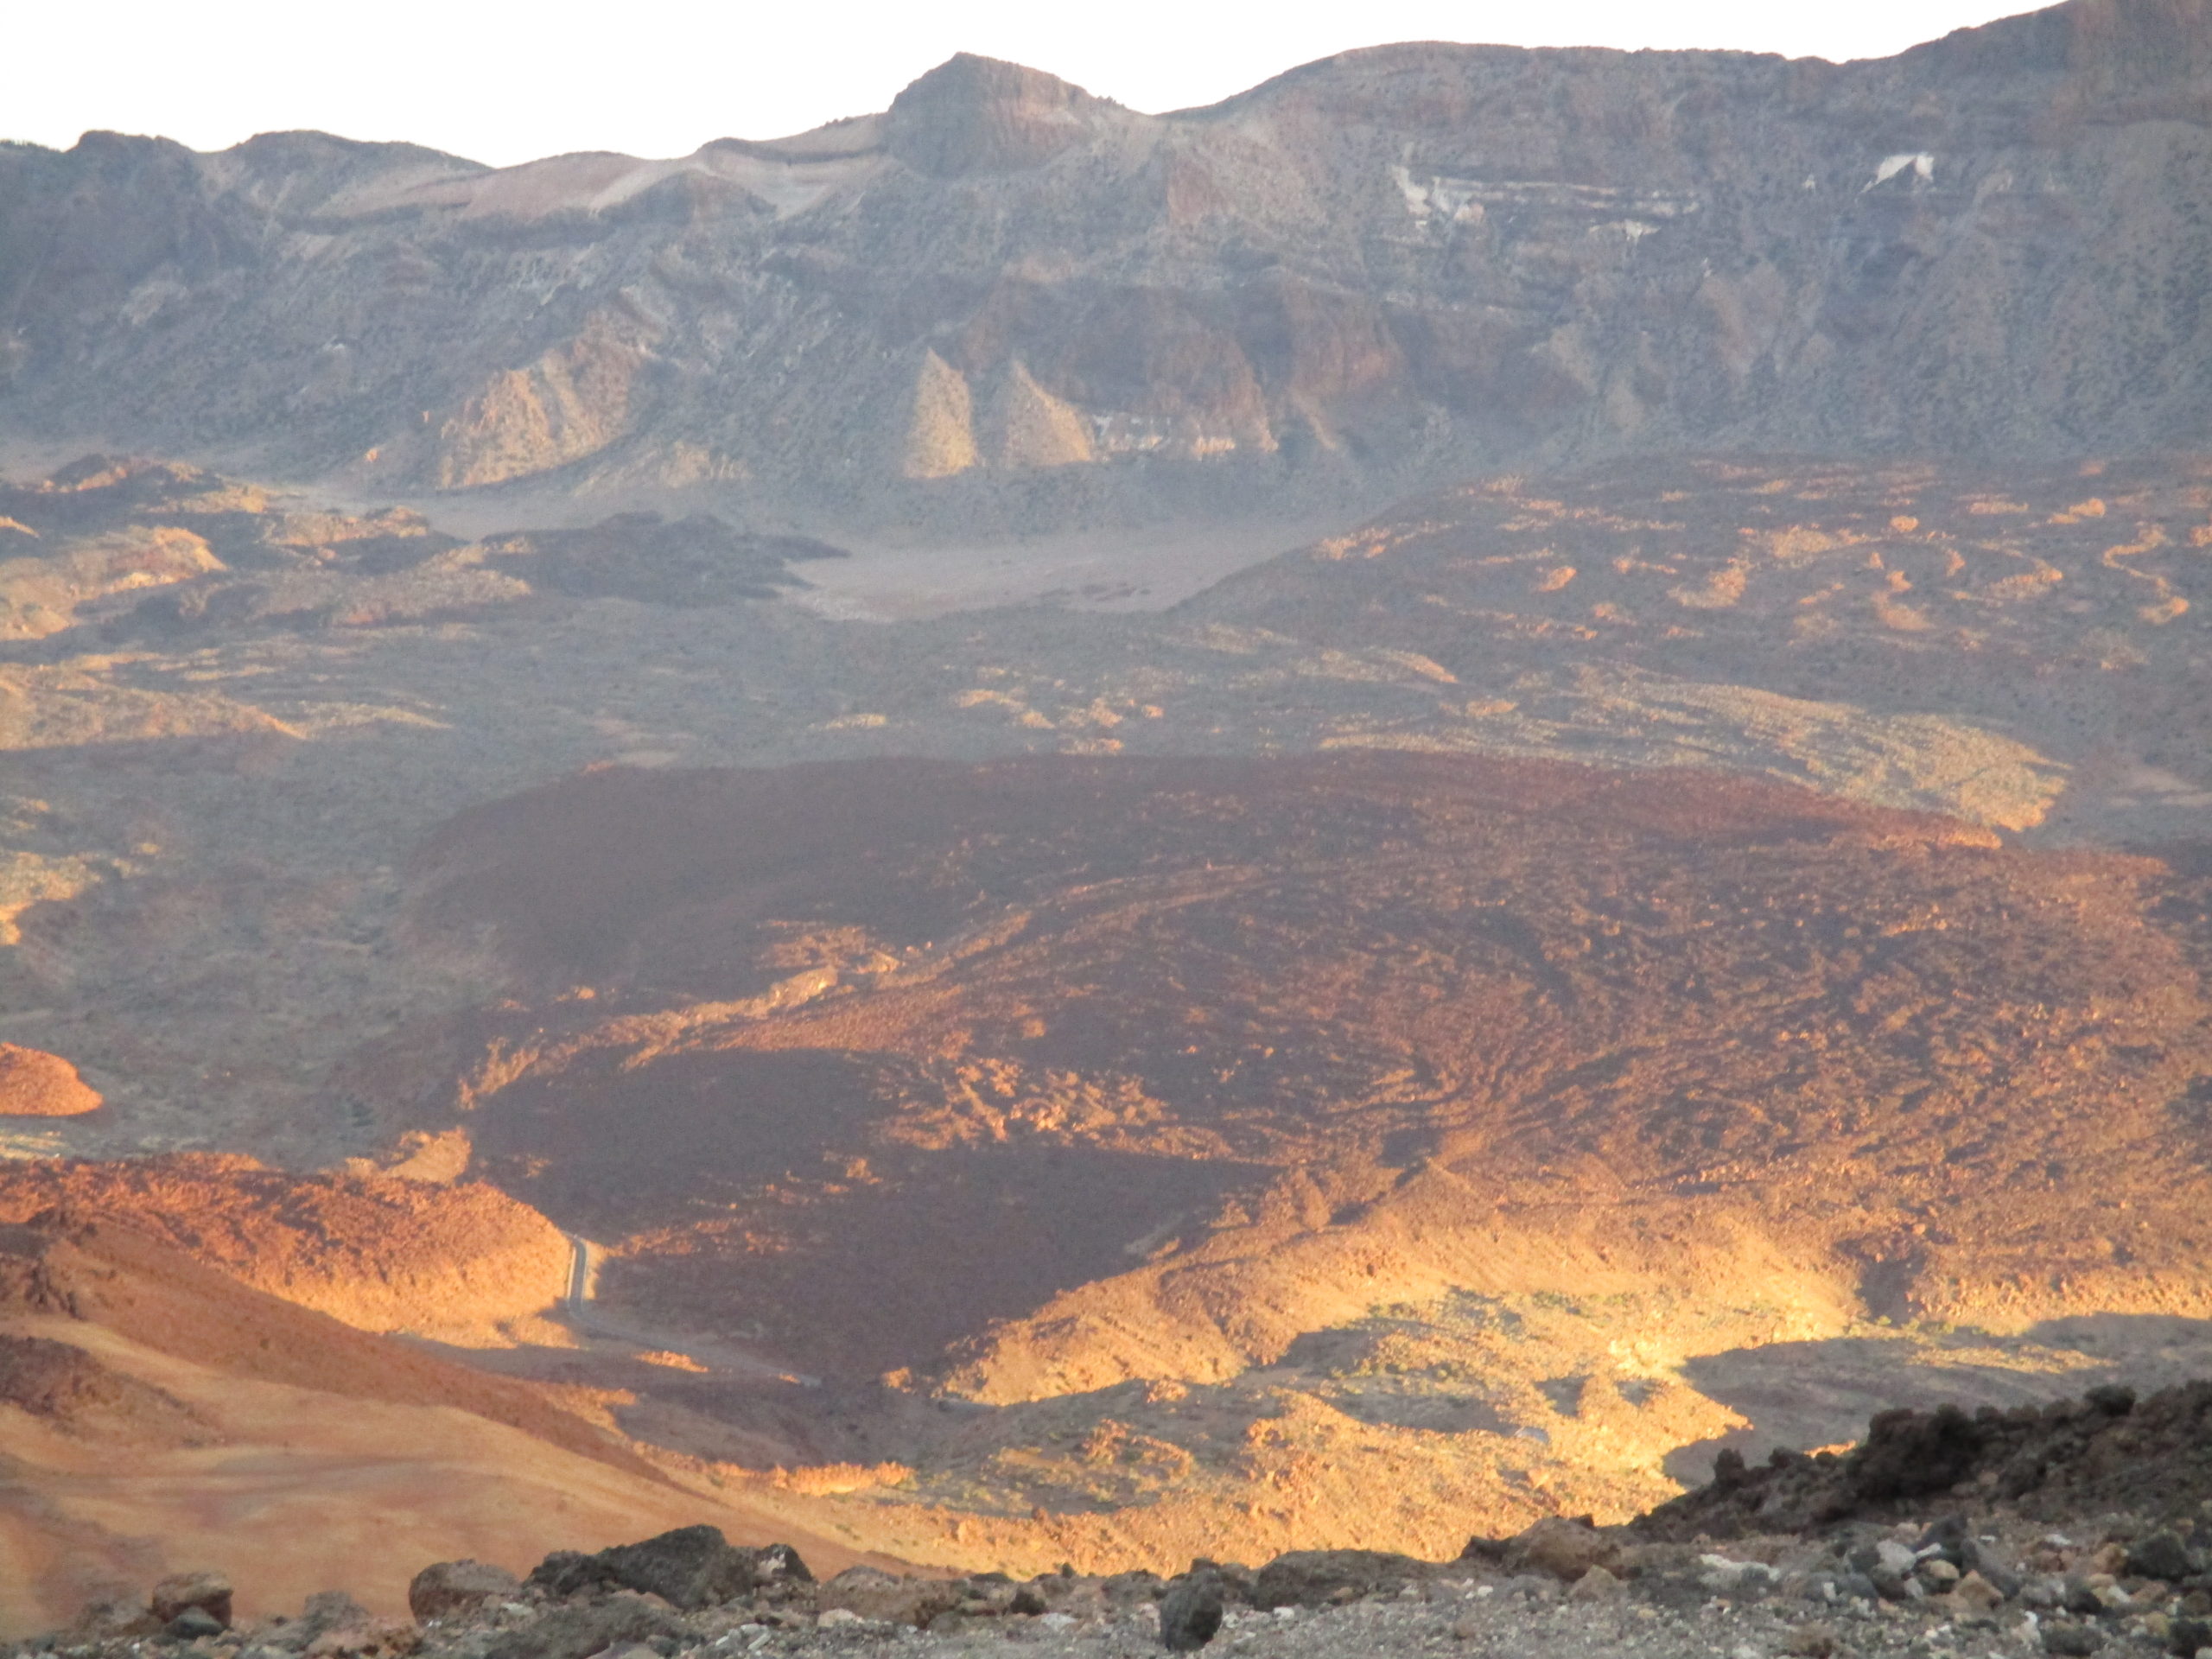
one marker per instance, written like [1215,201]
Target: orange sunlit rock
[33,1084]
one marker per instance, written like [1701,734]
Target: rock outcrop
[33,1084]
[202,1591]
[689,1567]
[444,1588]
[973,115]
[74,1390]
[383,1254]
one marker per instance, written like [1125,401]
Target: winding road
[580,1272]
[581,1305]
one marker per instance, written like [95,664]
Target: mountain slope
[149,1404]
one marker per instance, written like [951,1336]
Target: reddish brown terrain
[466,1264]
[1458,1110]
[215,775]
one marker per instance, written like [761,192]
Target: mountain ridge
[1008,303]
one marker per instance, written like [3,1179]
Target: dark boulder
[1125,1590]
[207,1592]
[2071,1641]
[331,1610]
[1907,1454]
[1190,1612]
[691,1567]
[2162,1556]
[778,1564]
[1562,1548]
[2114,1399]
[448,1587]
[1947,1538]
[568,1573]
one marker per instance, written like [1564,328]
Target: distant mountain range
[1005,301]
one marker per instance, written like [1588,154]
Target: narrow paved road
[586,1315]
[579,1271]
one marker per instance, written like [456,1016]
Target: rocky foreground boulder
[446,1588]
[691,1567]
[2080,1528]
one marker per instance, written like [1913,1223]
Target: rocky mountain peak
[2112,45]
[2134,44]
[979,114]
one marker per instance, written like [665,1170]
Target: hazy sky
[506,82]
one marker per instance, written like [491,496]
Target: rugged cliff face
[1005,300]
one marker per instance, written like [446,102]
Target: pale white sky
[503,81]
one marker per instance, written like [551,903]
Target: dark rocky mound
[689,1567]
[655,560]
[2108,1450]
[74,1390]
[28,1283]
